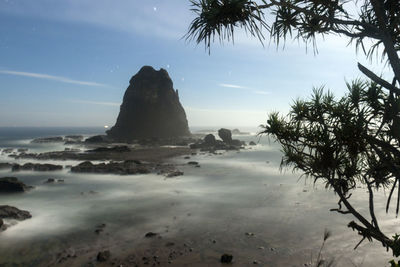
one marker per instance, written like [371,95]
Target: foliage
[346,142]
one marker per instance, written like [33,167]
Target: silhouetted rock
[12,185]
[252,143]
[174,173]
[225,135]
[209,139]
[9,212]
[150,108]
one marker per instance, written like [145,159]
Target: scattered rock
[174,173]
[22,150]
[193,163]
[9,212]
[252,143]
[150,234]
[226,258]
[12,185]
[103,256]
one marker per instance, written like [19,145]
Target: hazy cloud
[232,86]
[258,92]
[49,77]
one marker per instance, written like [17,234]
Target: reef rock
[150,109]
[12,185]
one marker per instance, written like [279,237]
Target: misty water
[236,202]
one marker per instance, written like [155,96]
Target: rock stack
[150,109]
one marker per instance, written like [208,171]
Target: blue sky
[68,63]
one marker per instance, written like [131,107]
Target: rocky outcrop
[12,185]
[126,167]
[9,212]
[36,167]
[150,109]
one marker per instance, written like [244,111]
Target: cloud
[50,77]
[258,92]
[232,86]
[114,104]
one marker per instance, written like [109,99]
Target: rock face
[150,109]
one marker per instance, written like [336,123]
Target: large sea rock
[150,109]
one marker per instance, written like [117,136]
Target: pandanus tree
[345,143]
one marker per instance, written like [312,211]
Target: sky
[68,63]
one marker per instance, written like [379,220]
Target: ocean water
[240,200]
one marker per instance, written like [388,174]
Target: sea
[237,202]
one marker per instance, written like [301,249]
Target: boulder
[209,140]
[150,109]
[252,143]
[12,185]
[225,135]
[9,212]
